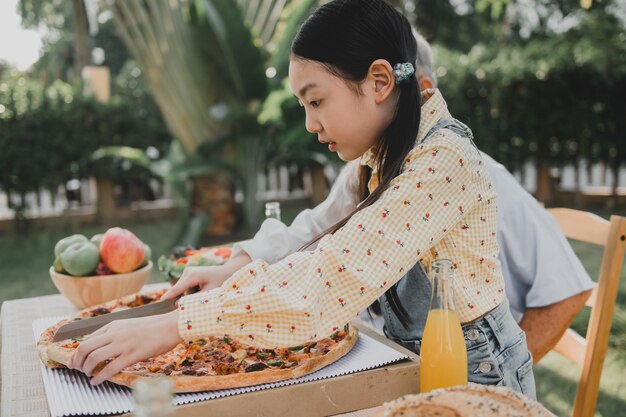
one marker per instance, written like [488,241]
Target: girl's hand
[128,342]
[206,277]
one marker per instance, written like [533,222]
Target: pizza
[205,364]
[472,400]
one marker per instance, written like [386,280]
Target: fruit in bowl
[105,267]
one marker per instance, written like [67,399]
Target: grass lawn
[24,263]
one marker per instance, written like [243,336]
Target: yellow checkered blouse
[442,205]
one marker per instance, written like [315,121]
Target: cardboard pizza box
[325,397]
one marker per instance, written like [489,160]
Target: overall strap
[455,126]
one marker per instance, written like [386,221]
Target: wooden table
[22,390]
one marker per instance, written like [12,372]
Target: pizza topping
[262,355]
[255,367]
[99,311]
[240,354]
[297,357]
[275,363]
[226,368]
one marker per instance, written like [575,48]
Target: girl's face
[350,123]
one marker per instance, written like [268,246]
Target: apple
[103,269]
[96,239]
[80,258]
[66,242]
[121,250]
[58,266]
[147,255]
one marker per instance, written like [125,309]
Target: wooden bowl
[91,290]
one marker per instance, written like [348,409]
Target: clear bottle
[153,397]
[443,353]
[272,210]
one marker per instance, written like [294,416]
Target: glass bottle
[153,397]
[443,353]
[272,210]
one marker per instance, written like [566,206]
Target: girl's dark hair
[346,36]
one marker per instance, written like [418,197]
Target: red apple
[103,269]
[121,250]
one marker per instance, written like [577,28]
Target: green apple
[80,258]
[66,242]
[96,239]
[147,255]
[58,266]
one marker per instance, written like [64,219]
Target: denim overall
[496,346]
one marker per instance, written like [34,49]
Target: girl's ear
[381,76]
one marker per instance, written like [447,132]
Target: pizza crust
[472,400]
[56,356]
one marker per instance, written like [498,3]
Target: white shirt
[538,264]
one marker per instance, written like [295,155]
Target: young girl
[423,194]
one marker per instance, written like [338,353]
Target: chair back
[590,351]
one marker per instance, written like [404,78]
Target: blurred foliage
[552,99]
[49,135]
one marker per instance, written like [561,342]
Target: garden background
[194,126]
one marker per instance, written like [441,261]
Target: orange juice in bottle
[443,353]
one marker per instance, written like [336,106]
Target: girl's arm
[309,295]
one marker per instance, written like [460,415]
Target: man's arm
[544,326]
[275,240]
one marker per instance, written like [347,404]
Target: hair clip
[403,72]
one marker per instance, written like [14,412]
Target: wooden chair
[589,352]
